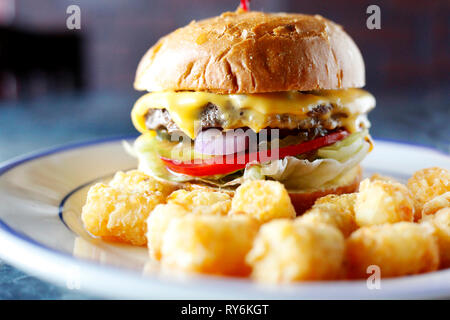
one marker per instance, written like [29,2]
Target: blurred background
[59,85]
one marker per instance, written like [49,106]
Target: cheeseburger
[253,95]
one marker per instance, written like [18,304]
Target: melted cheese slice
[185,107]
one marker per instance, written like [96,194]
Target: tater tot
[440,221]
[286,251]
[336,210]
[157,224]
[398,249]
[209,244]
[264,200]
[214,202]
[181,203]
[194,187]
[436,204]
[381,201]
[120,209]
[377,176]
[137,181]
[427,184]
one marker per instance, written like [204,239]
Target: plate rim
[22,241]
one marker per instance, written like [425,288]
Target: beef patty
[320,118]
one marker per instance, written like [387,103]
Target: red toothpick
[245,5]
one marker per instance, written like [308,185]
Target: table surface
[414,116]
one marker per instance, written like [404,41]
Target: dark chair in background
[33,63]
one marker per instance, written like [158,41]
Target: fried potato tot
[209,244]
[381,201]
[119,210]
[263,199]
[335,210]
[179,204]
[286,251]
[440,221]
[157,224]
[213,202]
[398,249]
[427,184]
[436,204]
[137,181]
[377,176]
[195,186]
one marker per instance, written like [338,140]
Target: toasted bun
[253,52]
[303,201]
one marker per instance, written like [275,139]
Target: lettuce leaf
[334,161]
[331,163]
[345,149]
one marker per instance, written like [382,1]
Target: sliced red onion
[217,142]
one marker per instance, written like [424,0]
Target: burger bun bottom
[303,200]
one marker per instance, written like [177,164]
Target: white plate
[40,232]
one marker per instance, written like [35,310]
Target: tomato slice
[229,163]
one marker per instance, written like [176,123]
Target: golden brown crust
[302,201]
[253,52]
